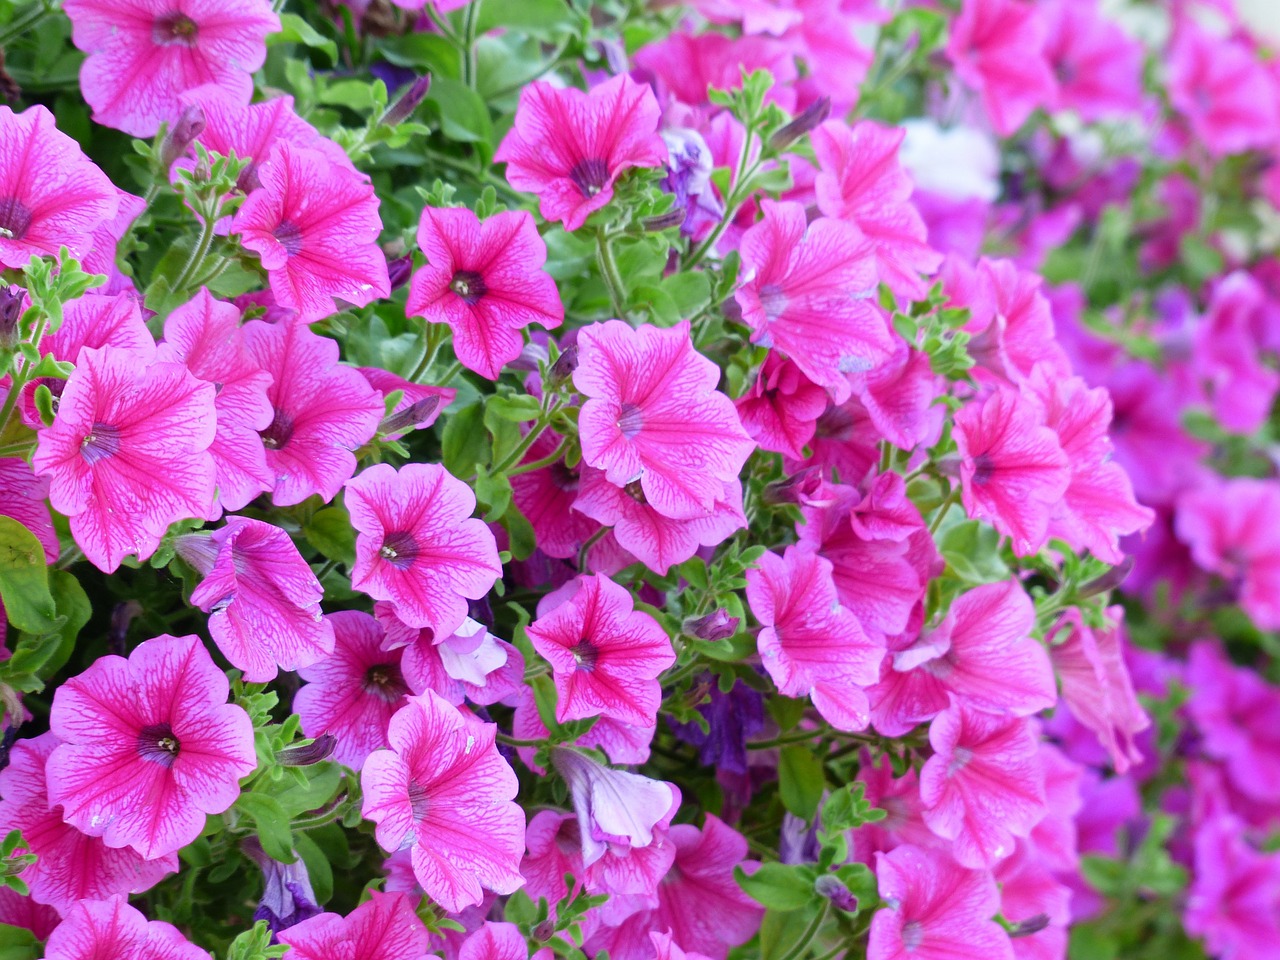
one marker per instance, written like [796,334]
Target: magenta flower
[143,54]
[71,865]
[553,847]
[861,180]
[984,784]
[546,497]
[687,65]
[653,415]
[935,909]
[605,655]
[128,453]
[101,256]
[149,745]
[262,598]
[1013,471]
[355,691]
[899,398]
[205,335]
[23,497]
[417,544]
[486,281]
[323,411]
[622,743]
[1098,66]
[443,790]
[1230,900]
[997,48]
[384,927]
[811,645]
[94,929]
[19,911]
[51,194]
[656,541]
[570,147]
[315,226]
[470,664]
[500,941]
[781,410]
[806,293]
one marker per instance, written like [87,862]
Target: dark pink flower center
[175,27]
[912,935]
[636,492]
[469,285]
[248,179]
[399,548]
[983,467]
[586,655]
[101,442]
[15,219]
[157,743]
[630,420]
[418,801]
[563,477]
[590,175]
[290,236]
[278,433]
[385,681]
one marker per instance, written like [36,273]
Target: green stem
[434,338]
[450,372]
[14,449]
[469,44]
[516,455]
[741,175]
[786,740]
[18,27]
[517,742]
[801,949]
[546,461]
[20,377]
[942,510]
[196,260]
[609,271]
[442,25]
[590,542]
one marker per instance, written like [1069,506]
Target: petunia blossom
[384,927]
[1097,65]
[148,746]
[71,866]
[315,226]
[569,147]
[605,655]
[780,410]
[323,411]
[443,790]
[262,598]
[545,497]
[500,941]
[128,453]
[23,497]
[807,294]
[1230,897]
[417,544]
[93,929]
[51,194]
[485,279]
[653,415]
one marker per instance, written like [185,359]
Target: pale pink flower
[653,415]
[417,544]
[807,293]
[128,453]
[205,335]
[51,194]
[569,147]
[444,791]
[262,598]
[148,746]
[144,54]
[553,847]
[984,784]
[323,411]
[384,927]
[485,279]
[605,655]
[315,226]
[94,929]
[71,865]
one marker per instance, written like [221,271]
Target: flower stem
[546,461]
[24,24]
[198,254]
[803,945]
[609,271]
[469,44]
[516,455]
[942,510]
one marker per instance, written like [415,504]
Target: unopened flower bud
[402,109]
[418,412]
[665,221]
[714,626]
[831,888]
[544,931]
[398,270]
[564,366]
[818,111]
[122,615]
[304,755]
[10,312]
[1030,926]
[801,488]
[189,125]
[1109,580]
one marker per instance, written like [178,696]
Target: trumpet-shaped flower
[417,544]
[569,147]
[781,410]
[470,664]
[653,415]
[485,279]
[23,497]
[546,497]
[148,746]
[94,929]
[385,927]
[445,792]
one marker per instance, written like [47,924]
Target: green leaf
[521,540]
[541,18]
[330,531]
[464,116]
[778,886]
[293,29]
[18,943]
[272,823]
[319,870]
[800,780]
[24,580]
[465,442]
[972,550]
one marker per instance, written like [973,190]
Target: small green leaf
[464,116]
[778,886]
[24,580]
[272,823]
[330,531]
[465,442]
[293,29]
[801,780]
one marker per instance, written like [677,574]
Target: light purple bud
[418,412]
[818,111]
[714,626]
[287,897]
[189,125]
[304,755]
[402,109]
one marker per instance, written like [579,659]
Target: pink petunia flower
[500,941]
[1013,471]
[605,655]
[811,645]
[149,745]
[807,293]
[621,742]
[687,65]
[71,865]
[262,598]
[323,411]
[780,410]
[553,847]
[101,256]
[19,911]
[444,791]
[94,929]
[420,404]
[315,226]
[354,692]
[486,281]
[23,497]
[934,909]
[653,415]
[1097,65]
[205,335]
[384,927]
[569,147]
[143,54]
[984,784]
[860,179]
[417,544]
[1230,902]
[546,497]
[128,453]
[997,48]
[51,194]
